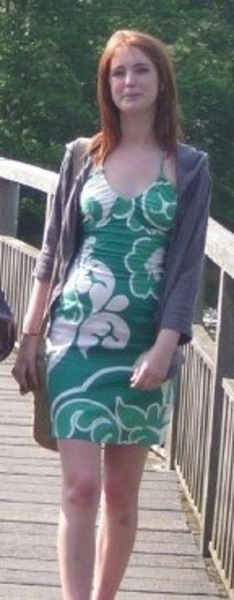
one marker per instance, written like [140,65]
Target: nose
[129,77]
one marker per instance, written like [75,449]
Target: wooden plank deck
[166,563]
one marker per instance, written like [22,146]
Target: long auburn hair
[167,121]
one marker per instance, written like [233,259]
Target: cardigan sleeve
[44,264]
[185,261]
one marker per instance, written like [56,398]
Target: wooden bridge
[185,544]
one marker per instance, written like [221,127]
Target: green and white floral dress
[105,318]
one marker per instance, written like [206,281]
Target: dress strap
[161,165]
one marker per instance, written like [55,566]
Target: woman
[132,240]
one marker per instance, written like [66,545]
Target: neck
[137,131]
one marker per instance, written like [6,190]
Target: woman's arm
[36,308]
[175,314]
[25,371]
[53,224]
[185,259]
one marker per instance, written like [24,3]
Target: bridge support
[9,206]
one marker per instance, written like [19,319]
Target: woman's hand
[149,371]
[151,368]
[25,371]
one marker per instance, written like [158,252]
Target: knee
[81,492]
[117,496]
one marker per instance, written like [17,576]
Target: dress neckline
[161,178]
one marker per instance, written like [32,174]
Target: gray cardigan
[184,256]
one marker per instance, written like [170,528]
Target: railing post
[171,443]
[223,367]
[200,300]
[172,434]
[9,204]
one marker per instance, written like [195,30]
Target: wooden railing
[202,449]
[222,544]
[202,432]
[192,415]
[17,262]
[12,175]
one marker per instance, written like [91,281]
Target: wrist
[30,333]
[29,340]
[27,335]
[168,339]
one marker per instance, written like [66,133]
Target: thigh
[80,460]
[123,466]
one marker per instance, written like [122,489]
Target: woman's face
[133,81]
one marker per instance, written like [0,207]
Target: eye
[117,73]
[142,69]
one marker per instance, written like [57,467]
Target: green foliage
[48,58]
[41,96]
[31,218]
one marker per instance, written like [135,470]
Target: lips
[131,96]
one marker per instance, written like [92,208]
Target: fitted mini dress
[105,318]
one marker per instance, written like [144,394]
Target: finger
[145,380]
[18,374]
[135,374]
[139,361]
[31,379]
[26,378]
[138,377]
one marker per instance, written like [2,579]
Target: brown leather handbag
[7,328]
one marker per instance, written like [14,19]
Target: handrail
[220,246]
[30,175]
[13,174]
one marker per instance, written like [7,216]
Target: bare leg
[123,467]
[76,535]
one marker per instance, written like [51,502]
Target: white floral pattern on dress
[77,415]
[103,326]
